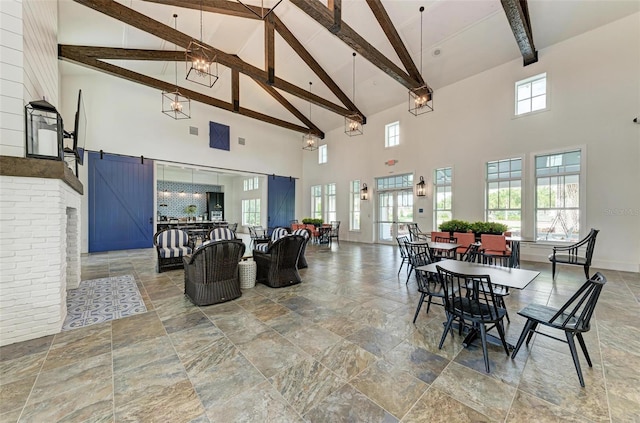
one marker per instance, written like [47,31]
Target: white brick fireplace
[39,254]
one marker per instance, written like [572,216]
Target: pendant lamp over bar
[202,67]
[353,123]
[260,8]
[175,104]
[421,98]
[310,140]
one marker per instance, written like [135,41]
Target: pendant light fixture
[310,140]
[202,67]
[258,7]
[175,104]
[421,98]
[353,123]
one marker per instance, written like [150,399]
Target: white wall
[594,85]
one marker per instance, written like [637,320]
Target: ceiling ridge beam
[69,55]
[144,23]
[290,107]
[390,31]
[321,14]
[517,12]
[313,64]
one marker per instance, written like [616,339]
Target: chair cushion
[302,232]
[221,233]
[278,233]
[172,238]
[170,252]
[262,247]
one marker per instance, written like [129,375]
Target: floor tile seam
[604,373]
[367,397]
[525,392]
[435,388]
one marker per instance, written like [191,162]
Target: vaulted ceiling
[266,66]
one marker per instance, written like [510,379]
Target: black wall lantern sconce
[44,131]
[364,192]
[421,189]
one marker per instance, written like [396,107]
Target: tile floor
[338,347]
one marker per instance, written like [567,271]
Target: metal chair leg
[483,337]
[419,307]
[574,355]
[530,325]
[584,348]
[447,328]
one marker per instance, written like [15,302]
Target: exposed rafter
[138,20]
[517,12]
[269,49]
[223,7]
[321,14]
[394,38]
[71,54]
[304,54]
[235,90]
[336,8]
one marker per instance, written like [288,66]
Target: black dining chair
[401,240]
[573,318]
[413,250]
[429,284]
[480,307]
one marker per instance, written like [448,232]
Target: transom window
[558,196]
[442,210]
[531,94]
[250,184]
[322,154]
[354,206]
[395,182]
[504,193]
[392,134]
[251,212]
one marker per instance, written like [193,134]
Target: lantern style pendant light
[421,98]
[175,104]
[310,140]
[202,67]
[353,123]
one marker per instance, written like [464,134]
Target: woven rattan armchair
[306,233]
[171,245]
[278,267]
[211,272]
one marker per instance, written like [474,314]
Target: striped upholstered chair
[306,233]
[221,233]
[171,246]
[277,233]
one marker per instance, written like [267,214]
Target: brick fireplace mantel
[39,168]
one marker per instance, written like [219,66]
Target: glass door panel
[386,216]
[395,210]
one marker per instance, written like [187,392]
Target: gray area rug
[100,300]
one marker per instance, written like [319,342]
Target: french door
[395,210]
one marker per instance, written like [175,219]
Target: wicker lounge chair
[278,267]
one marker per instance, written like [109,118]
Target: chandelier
[175,104]
[202,67]
[421,98]
[353,122]
[310,140]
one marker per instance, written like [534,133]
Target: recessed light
[436,52]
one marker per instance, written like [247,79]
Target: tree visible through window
[442,211]
[504,193]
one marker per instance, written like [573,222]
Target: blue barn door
[281,200]
[120,203]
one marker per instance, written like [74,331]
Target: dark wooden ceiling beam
[517,12]
[304,54]
[235,90]
[336,8]
[269,49]
[223,7]
[394,38]
[321,14]
[287,105]
[69,55]
[144,23]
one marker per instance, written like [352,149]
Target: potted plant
[452,226]
[312,221]
[191,210]
[492,228]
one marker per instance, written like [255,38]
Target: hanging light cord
[354,78]
[309,103]
[200,21]
[175,48]
[421,14]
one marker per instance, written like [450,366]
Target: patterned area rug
[100,300]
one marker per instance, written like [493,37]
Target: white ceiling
[472,35]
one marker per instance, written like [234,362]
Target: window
[558,196]
[531,94]
[251,212]
[442,198]
[392,134]
[395,182]
[250,184]
[354,206]
[504,193]
[330,202]
[316,202]
[322,154]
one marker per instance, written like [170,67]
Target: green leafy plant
[455,226]
[312,221]
[488,228]
[191,209]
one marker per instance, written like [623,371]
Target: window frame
[395,137]
[582,190]
[330,206]
[322,154]
[246,203]
[251,184]
[355,206]
[316,201]
[531,79]
[509,179]
[436,189]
